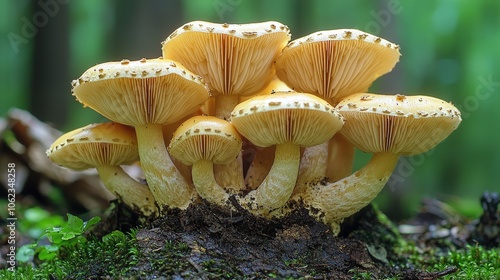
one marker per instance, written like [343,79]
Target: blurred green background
[450,49]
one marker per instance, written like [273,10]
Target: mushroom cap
[95,145]
[336,63]
[154,91]
[232,58]
[205,137]
[405,125]
[300,118]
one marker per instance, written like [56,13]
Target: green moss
[473,262]
[118,255]
[114,255]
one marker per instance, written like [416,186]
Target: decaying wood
[24,140]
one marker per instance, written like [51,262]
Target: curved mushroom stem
[340,158]
[167,184]
[205,184]
[312,166]
[260,166]
[336,201]
[230,176]
[135,195]
[277,187]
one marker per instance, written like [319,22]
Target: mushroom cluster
[221,92]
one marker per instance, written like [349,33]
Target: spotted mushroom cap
[300,118]
[405,125]
[232,58]
[205,137]
[336,63]
[95,145]
[147,91]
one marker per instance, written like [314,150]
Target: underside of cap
[405,125]
[299,118]
[156,91]
[95,145]
[336,63]
[232,58]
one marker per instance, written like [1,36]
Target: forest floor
[204,242]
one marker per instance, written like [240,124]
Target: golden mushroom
[203,141]
[336,63]
[234,59]
[106,146]
[147,94]
[387,126]
[289,120]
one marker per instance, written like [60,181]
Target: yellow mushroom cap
[154,91]
[405,125]
[204,137]
[336,63]
[232,58]
[95,145]
[300,118]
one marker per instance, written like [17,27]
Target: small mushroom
[390,127]
[289,120]
[147,94]
[203,141]
[106,146]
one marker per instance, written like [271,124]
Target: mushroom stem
[260,166]
[205,184]
[224,104]
[312,166]
[167,184]
[340,158]
[277,187]
[333,202]
[135,195]
[230,176]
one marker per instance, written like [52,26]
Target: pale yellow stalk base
[260,166]
[230,176]
[167,184]
[185,170]
[205,184]
[340,158]
[312,166]
[135,195]
[332,203]
[278,185]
